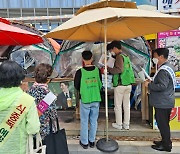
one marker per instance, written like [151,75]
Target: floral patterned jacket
[39,91]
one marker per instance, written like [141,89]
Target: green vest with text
[90,86]
[127,76]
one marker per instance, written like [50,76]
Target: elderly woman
[18,113]
[39,90]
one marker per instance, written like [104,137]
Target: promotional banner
[171,40]
[168,4]
[64,90]
[174,117]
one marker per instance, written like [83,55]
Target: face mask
[155,60]
[112,53]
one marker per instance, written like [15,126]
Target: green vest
[90,86]
[127,76]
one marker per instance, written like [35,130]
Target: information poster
[174,117]
[173,5]
[171,40]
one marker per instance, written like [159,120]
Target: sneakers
[126,127]
[91,144]
[115,125]
[85,146]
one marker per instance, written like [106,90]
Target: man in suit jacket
[63,96]
[162,98]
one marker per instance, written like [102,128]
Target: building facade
[45,14]
[41,8]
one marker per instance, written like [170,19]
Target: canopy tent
[30,56]
[69,59]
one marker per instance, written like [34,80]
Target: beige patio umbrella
[120,23]
[109,23]
[105,3]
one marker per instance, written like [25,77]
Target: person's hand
[102,70]
[146,83]
[108,68]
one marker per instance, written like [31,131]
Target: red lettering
[14,116]
[20,108]
[173,113]
[10,123]
[178,114]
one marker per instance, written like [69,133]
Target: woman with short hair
[18,113]
[39,90]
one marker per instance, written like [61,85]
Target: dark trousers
[163,117]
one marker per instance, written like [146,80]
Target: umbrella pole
[105,72]
[106,144]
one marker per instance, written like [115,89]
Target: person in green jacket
[123,77]
[88,81]
[14,141]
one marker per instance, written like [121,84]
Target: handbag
[40,148]
[56,142]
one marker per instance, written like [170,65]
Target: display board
[64,90]
[174,117]
[170,40]
[59,89]
[168,5]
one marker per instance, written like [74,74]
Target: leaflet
[110,61]
[45,103]
[146,75]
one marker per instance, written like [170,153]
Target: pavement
[137,140]
[125,147]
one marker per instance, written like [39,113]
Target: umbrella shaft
[106,95]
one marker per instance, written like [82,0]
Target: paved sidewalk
[125,147]
[137,140]
[137,129]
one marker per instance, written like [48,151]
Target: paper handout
[146,75]
[45,103]
[101,60]
[141,75]
[110,61]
